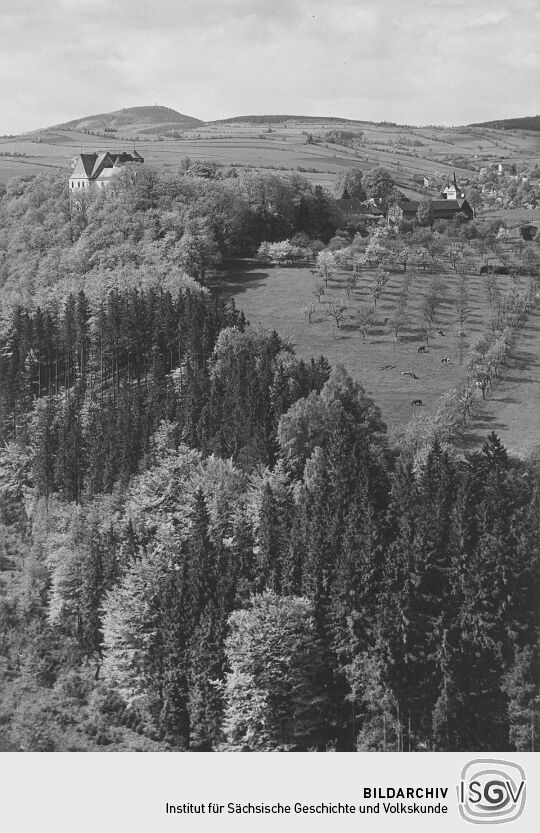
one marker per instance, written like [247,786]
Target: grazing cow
[313,271]
[446,360]
[386,320]
[440,332]
[416,402]
[410,373]
[422,349]
[388,367]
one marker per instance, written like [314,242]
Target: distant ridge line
[520,123]
[271,119]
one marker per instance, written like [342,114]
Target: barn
[440,210]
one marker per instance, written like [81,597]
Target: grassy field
[512,408]
[284,148]
[276,297]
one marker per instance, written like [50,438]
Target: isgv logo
[491,791]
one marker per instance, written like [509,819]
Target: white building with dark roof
[453,191]
[95,170]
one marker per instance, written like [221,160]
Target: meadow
[277,297]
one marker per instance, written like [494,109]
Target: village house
[451,203]
[440,210]
[95,170]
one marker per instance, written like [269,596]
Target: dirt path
[512,408]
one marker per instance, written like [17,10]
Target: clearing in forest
[277,297]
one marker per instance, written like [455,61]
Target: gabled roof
[442,208]
[84,165]
[103,160]
[445,204]
[91,165]
[409,206]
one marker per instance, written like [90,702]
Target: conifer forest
[208,543]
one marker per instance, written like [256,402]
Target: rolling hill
[280,143]
[133,118]
[280,119]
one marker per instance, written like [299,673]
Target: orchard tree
[326,266]
[463,308]
[463,345]
[399,320]
[402,254]
[428,312]
[309,310]
[318,291]
[366,316]
[454,253]
[376,287]
[491,287]
[336,310]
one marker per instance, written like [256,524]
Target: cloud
[426,61]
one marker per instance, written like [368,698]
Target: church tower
[452,191]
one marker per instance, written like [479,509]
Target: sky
[409,61]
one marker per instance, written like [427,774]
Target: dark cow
[416,402]
[441,333]
[410,373]
[422,349]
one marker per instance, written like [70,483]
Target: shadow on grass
[478,432]
[239,276]
[518,380]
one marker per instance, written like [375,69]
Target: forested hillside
[150,227]
[209,544]
[522,123]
